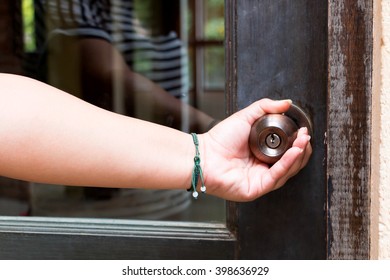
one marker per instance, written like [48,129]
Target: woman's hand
[230,169]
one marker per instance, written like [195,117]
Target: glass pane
[214,61]
[28,25]
[122,56]
[214,20]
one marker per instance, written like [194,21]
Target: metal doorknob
[273,134]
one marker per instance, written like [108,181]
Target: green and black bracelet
[197,171]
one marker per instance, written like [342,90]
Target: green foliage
[215,29]
[28,25]
[215,23]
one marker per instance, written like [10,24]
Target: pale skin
[49,136]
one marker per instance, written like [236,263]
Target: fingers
[262,107]
[286,167]
[303,141]
[292,161]
[274,106]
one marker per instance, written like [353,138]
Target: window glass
[214,60]
[28,17]
[214,19]
[117,55]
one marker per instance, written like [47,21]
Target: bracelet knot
[197,171]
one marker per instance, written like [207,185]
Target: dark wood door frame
[350,63]
[320,55]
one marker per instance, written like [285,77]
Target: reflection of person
[115,49]
[49,136]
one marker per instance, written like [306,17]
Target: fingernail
[304,129]
[287,100]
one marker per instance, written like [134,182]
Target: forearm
[49,136]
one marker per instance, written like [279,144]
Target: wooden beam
[348,134]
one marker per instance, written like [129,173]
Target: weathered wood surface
[320,55]
[54,238]
[348,135]
[278,49]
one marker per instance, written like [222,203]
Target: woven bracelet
[197,171]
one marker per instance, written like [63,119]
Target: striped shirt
[162,59]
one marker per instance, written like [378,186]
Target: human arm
[49,136]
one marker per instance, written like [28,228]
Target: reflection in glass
[214,61]
[28,18]
[130,57]
[214,20]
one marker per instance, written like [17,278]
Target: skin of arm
[49,136]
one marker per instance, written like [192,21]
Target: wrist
[211,164]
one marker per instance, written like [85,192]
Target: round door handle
[273,134]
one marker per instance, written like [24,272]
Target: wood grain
[278,49]
[348,135]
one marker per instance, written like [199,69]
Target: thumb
[261,107]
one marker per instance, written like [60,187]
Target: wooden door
[318,53]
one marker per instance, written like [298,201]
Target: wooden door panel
[319,54]
[280,52]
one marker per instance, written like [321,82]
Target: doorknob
[273,134]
